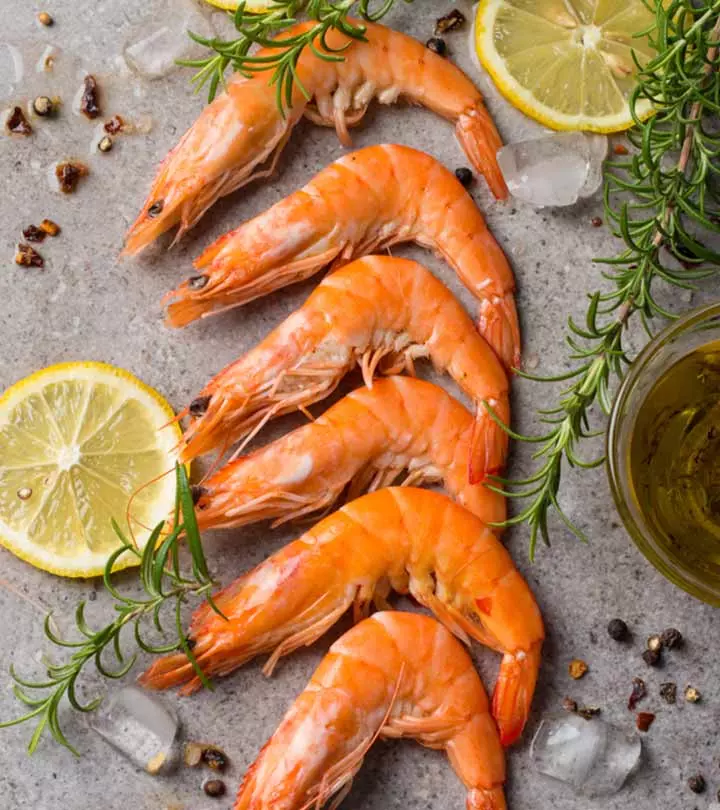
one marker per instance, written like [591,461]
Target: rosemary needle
[165,586]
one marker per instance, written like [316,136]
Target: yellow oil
[675,462]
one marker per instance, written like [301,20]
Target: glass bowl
[697,328]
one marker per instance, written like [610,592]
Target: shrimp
[243,128]
[403,539]
[394,675]
[366,439]
[365,201]
[376,308]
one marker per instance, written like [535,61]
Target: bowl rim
[642,539]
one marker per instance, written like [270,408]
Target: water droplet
[24,493]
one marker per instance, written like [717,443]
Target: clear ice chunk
[591,756]
[140,727]
[155,54]
[554,170]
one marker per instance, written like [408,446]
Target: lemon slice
[77,440]
[566,63]
[250,5]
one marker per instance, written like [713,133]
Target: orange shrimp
[394,675]
[374,309]
[364,201]
[403,539]
[367,439]
[243,127]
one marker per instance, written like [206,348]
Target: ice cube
[554,170]
[141,728]
[155,55]
[12,68]
[591,756]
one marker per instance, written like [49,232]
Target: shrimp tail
[480,139]
[489,442]
[486,799]
[498,324]
[514,691]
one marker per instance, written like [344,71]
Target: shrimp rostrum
[365,441]
[377,311]
[243,128]
[394,675]
[406,540]
[363,202]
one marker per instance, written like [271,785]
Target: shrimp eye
[199,406]
[484,605]
[197,282]
[197,493]
[156,208]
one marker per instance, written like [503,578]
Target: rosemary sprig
[261,28]
[659,201]
[165,586]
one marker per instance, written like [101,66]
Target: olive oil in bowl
[664,453]
[675,460]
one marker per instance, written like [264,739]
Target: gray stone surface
[88,305]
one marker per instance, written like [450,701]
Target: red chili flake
[34,234]
[449,22]
[484,605]
[17,123]
[644,720]
[596,222]
[27,256]
[620,149]
[639,690]
[69,174]
[114,125]
[90,102]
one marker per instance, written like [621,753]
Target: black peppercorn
[214,788]
[668,692]
[464,175]
[652,657]
[437,45]
[697,783]
[617,630]
[671,638]
[215,759]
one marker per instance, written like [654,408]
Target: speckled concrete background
[87,305]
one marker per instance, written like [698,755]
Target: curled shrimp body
[243,127]
[375,309]
[365,201]
[368,438]
[403,539]
[393,675]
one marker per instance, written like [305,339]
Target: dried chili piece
[68,174]
[34,234]
[639,690]
[644,720]
[27,256]
[114,125]
[17,123]
[90,101]
[449,22]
